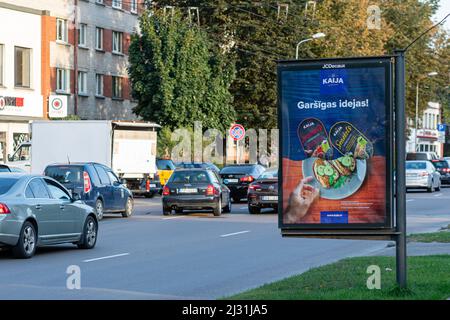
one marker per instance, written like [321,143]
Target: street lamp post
[431,74]
[314,36]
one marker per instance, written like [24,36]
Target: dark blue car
[96,184]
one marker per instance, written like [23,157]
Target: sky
[443,11]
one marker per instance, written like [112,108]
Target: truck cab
[21,158]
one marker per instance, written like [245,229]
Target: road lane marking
[170,218]
[410,200]
[438,195]
[107,257]
[234,233]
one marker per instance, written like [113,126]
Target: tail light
[446,170]
[210,190]
[4,209]
[166,191]
[254,187]
[423,174]
[86,182]
[247,179]
[147,185]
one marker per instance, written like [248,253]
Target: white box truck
[129,148]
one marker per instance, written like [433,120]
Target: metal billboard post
[400,203]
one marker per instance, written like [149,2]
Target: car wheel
[128,208]
[149,195]
[89,236]
[99,209]
[227,209]
[254,210]
[26,246]
[179,210]
[218,208]
[166,211]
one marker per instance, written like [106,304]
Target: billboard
[335,121]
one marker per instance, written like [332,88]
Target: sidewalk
[417,249]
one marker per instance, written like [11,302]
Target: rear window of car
[237,169]
[271,174]
[189,177]
[165,164]
[416,165]
[440,164]
[66,174]
[6,184]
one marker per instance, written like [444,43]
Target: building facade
[427,137]
[73,48]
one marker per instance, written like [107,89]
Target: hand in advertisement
[300,200]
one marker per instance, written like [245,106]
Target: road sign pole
[400,204]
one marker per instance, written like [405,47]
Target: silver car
[38,211]
[422,174]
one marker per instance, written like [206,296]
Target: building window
[22,67]
[117,4]
[62,80]
[99,38]
[133,6]
[117,42]
[82,32]
[1,67]
[117,87]
[82,83]
[61,30]
[99,85]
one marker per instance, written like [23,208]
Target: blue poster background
[332,85]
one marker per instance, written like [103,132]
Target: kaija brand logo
[10,102]
[333,79]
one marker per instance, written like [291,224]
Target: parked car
[263,192]
[7,168]
[421,156]
[238,177]
[443,168]
[199,165]
[422,174]
[97,185]
[195,189]
[37,211]
[165,169]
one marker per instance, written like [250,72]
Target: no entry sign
[237,132]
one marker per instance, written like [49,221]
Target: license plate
[152,185]
[187,190]
[269,198]
[231,180]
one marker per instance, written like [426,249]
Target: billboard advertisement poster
[335,120]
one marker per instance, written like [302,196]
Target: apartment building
[77,49]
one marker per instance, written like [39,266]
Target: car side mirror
[75,196]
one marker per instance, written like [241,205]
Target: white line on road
[170,218]
[233,234]
[438,195]
[409,200]
[107,257]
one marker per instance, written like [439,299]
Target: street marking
[107,257]
[243,208]
[438,195]
[233,234]
[170,218]
[409,200]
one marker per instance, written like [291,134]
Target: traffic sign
[237,132]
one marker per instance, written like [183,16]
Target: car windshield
[6,184]
[440,164]
[189,177]
[416,165]
[270,174]
[237,169]
[165,164]
[66,174]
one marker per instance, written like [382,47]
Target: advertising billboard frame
[384,230]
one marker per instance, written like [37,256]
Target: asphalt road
[196,256]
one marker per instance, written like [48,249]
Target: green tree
[176,77]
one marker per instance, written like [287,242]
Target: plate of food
[336,179]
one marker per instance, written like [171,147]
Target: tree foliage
[176,77]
